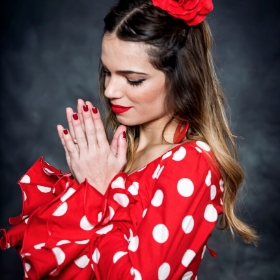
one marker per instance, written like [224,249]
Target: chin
[127,121]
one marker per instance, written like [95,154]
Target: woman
[144,206]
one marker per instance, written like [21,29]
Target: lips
[117,109]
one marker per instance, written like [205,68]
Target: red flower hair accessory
[192,12]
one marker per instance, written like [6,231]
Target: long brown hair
[194,94]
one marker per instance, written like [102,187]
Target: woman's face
[135,89]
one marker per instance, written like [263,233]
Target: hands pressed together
[92,157]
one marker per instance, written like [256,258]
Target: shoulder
[189,157]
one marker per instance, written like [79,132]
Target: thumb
[122,148]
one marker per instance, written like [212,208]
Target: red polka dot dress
[151,224]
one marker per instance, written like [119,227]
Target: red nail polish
[85,108]
[124,134]
[94,110]
[65,131]
[75,116]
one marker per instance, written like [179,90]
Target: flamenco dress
[151,224]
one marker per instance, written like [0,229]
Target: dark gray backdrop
[49,57]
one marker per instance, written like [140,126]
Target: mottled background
[49,56]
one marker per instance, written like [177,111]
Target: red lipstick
[117,109]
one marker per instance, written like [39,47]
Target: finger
[69,114]
[69,144]
[122,148]
[79,134]
[114,143]
[80,104]
[60,134]
[99,128]
[89,126]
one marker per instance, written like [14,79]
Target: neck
[151,133]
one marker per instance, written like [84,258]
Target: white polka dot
[67,185]
[118,255]
[180,154]
[210,213]
[203,146]
[221,185]
[142,168]
[82,241]
[68,193]
[39,246]
[26,220]
[25,179]
[163,271]
[208,178]
[188,257]
[166,155]
[92,266]
[185,187]
[53,191]
[136,273]
[44,189]
[118,183]
[59,255]
[24,217]
[112,212]
[85,224]
[188,224]
[105,229]
[27,254]
[134,243]
[157,172]
[160,233]
[133,189]
[96,255]
[48,171]
[99,216]
[82,262]
[187,276]
[157,199]
[198,149]
[8,245]
[195,278]
[24,196]
[144,213]
[203,252]
[221,201]
[53,271]
[121,198]
[61,242]
[132,271]
[25,274]
[61,210]
[27,267]
[130,234]
[213,192]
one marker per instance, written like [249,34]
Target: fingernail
[65,131]
[85,108]
[75,116]
[124,134]
[94,110]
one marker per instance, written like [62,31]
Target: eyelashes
[132,83]
[136,83]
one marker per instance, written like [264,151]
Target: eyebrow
[126,72]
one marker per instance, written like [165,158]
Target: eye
[136,83]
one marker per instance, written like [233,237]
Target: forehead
[121,54]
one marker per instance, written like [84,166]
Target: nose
[112,88]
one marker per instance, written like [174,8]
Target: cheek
[148,94]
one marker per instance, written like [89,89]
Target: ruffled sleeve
[61,221]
